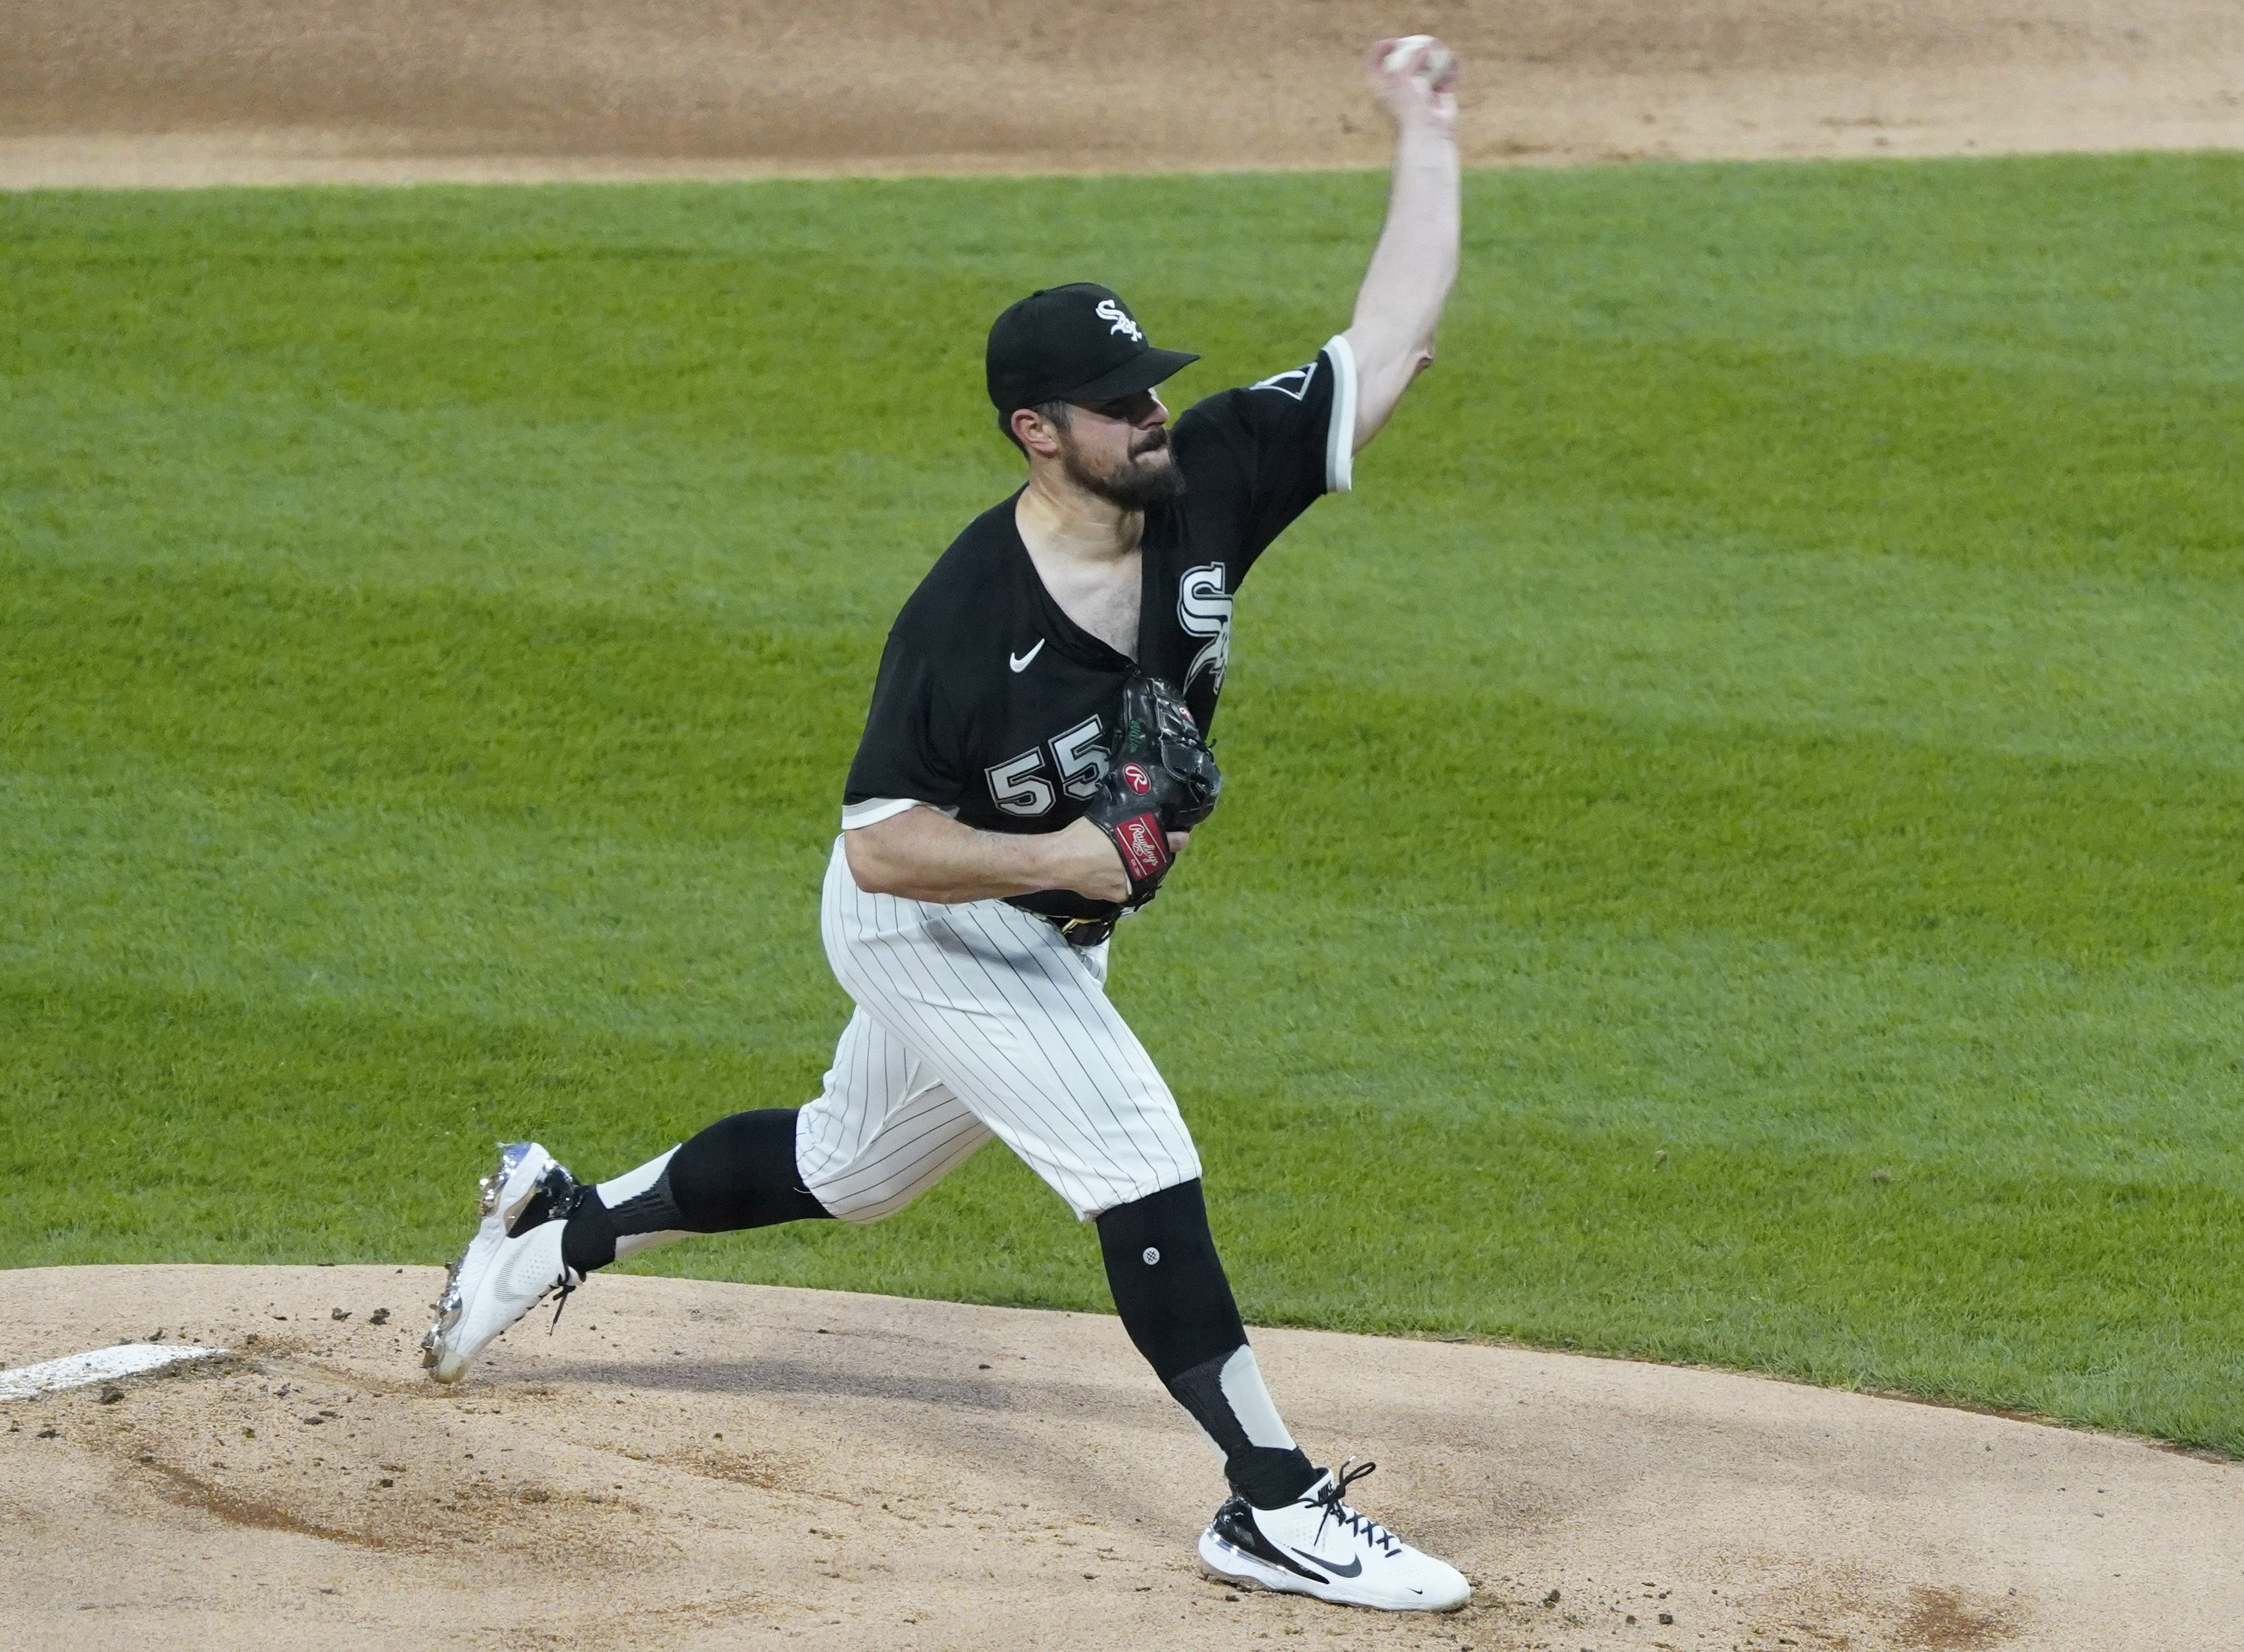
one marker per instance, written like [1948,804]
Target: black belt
[1081,931]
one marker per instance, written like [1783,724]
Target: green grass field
[1775,701]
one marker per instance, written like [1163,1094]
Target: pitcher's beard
[1131,486]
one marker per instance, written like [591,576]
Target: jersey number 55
[1023,785]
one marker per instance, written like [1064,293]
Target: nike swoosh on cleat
[1334,1566]
[1020,662]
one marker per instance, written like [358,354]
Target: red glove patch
[1145,847]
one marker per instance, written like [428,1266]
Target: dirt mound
[685,1465]
[167,91]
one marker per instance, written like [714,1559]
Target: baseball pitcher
[1033,764]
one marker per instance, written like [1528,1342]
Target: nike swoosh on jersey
[1020,662]
[1334,1566]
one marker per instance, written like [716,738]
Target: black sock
[1267,1476]
[1169,1287]
[739,1172]
[589,1240]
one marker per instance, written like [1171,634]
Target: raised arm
[1399,306]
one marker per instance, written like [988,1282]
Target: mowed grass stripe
[1772,704]
[440,703]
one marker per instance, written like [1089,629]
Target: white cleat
[511,1264]
[1320,1546]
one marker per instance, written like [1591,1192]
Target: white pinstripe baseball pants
[975,1020]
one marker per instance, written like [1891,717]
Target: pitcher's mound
[690,1465]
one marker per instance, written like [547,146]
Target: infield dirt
[685,1465]
[186,91]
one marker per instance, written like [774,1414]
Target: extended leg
[883,1130]
[540,1230]
[738,1174]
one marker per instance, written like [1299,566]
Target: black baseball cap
[1073,343]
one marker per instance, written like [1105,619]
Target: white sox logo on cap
[1107,310]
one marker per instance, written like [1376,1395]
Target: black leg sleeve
[1169,1289]
[1168,1282]
[739,1173]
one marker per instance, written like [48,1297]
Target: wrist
[1424,127]
[1045,861]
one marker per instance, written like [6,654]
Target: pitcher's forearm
[1406,284]
[1399,305]
[923,856]
[926,856]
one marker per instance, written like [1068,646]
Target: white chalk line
[76,1371]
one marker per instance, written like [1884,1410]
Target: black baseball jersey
[995,708]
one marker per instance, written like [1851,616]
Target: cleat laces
[1333,1501]
[558,1195]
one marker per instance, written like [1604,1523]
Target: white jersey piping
[1340,435]
[874,811]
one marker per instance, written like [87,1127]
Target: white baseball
[1437,64]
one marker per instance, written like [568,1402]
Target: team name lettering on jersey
[1203,610]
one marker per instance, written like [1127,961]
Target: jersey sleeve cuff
[874,811]
[1340,433]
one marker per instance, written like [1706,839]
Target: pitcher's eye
[1129,409]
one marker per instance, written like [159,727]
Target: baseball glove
[1162,778]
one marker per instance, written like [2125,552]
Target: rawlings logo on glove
[1145,848]
[1163,779]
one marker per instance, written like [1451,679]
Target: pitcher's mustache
[1153,441]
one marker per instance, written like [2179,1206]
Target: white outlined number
[1080,759]
[1022,786]
[1018,788]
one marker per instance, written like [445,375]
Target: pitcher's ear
[1024,423]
